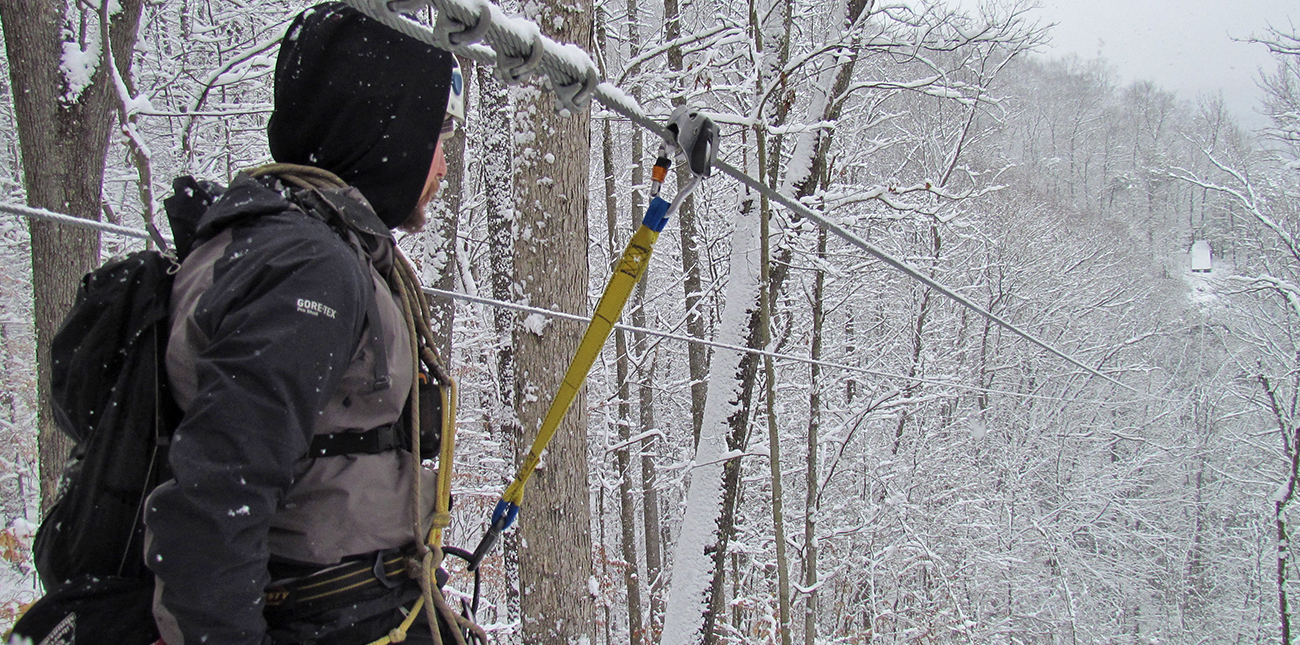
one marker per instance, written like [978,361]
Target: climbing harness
[694,137]
[429,549]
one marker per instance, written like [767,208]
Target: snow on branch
[239,68]
[706,37]
[81,59]
[1279,42]
[888,194]
[1288,290]
[1246,196]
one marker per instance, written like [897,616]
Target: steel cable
[515,40]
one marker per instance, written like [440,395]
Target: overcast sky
[1185,46]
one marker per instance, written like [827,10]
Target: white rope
[42,214]
[517,48]
[51,216]
[746,350]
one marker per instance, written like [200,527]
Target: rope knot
[414,568]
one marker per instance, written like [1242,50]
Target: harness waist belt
[337,585]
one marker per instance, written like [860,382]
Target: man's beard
[416,220]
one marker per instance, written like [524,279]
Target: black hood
[361,100]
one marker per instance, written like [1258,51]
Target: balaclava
[361,100]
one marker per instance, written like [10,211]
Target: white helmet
[455,101]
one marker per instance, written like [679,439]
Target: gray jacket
[274,341]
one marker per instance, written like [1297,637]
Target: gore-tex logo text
[314,308]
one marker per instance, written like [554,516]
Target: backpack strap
[190,199]
[370,442]
[382,377]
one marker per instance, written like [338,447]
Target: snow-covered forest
[896,469]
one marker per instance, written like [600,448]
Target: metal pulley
[696,137]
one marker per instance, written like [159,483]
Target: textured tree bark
[498,200]
[64,140]
[696,354]
[774,448]
[627,509]
[650,509]
[551,271]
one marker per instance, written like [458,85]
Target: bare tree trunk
[645,397]
[627,509]
[850,351]
[918,337]
[738,588]
[696,354]
[649,496]
[737,434]
[814,423]
[785,13]
[605,602]
[650,510]
[498,200]
[627,506]
[1283,609]
[774,457]
[737,441]
[551,270]
[627,517]
[690,612]
[59,174]
[739,437]
[765,307]
[1291,448]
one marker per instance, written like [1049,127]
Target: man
[290,356]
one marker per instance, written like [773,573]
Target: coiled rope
[402,280]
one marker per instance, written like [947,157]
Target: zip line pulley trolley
[693,136]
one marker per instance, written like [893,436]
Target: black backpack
[110,395]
